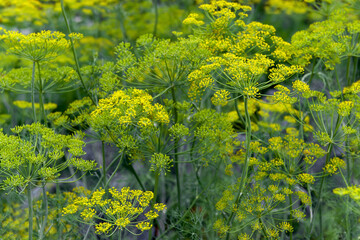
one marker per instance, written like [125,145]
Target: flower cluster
[120,212]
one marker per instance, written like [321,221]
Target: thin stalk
[30,212]
[318,205]
[41,101]
[46,211]
[176,143]
[185,213]
[156,187]
[75,54]
[348,182]
[355,69]
[117,167]
[33,92]
[58,226]
[103,163]
[348,70]
[312,72]
[246,166]
[155,3]
[122,25]
[290,215]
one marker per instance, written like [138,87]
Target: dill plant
[231,131]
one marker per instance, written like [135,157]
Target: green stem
[349,174]
[33,92]
[155,3]
[290,215]
[75,54]
[355,69]
[30,212]
[176,143]
[318,205]
[185,213]
[246,165]
[103,163]
[157,174]
[46,212]
[312,72]
[58,226]
[122,25]
[117,167]
[41,101]
[348,70]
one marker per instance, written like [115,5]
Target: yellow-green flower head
[160,162]
[352,191]
[344,108]
[120,209]
[44,45]
[128,108]
[306,178]
[193,19]
[220,97]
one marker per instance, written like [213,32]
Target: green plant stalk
[348,181]
[246,166]
[75,54]
[312,72]
[348,70]
[58,226]
[156,187]
[46,211]
[103,163]
[30,211]
[290,215]
[117,167]
[41,101]
[155,3]
[122,25]
[318,205]
[132,170]
[176,145]
[355,69]
[33,92]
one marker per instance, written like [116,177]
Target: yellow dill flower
[306,178]
[144,226]
[160,162]
[88,214]
[304,198]
[276,143]
[279,197]
[344,108]
[285,226]
[220,97]
[103,227]
[302,87]
[277,176]
[298,215]
[244,236]
[193,19]
[251,92]
[229,170]
[221,227]
[151,215]
[121,210]
[348,130]
[287,191]
[341,191]
[333,165]
[45,45]
[273,188]
[282,72]
[122,222]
